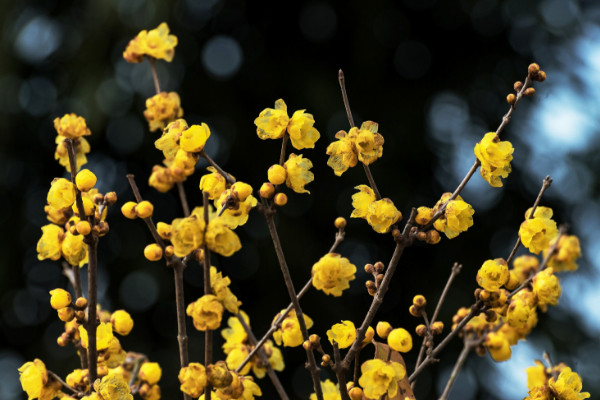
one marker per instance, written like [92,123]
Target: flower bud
[66,314]
[433,237]
[369,269]
[326,358]
[314,339]
[164,230]
[85,180]
[83,228]
[241,190]
[153,252]
[59,298]
[169,251]
[541,76]
[121,322]
[400,340]
[419,300]
[277,174]
[378,280]
[518,86]
[421,330]
[128,210]
[421,236]
[379,267]
[340,222]
[383,329]
[533,68]
[414,311]
[355,393]
[511,99]
[110,198]
[529,92]
[81,302]
[437,327]
[280,199]
[368,337]
[144,209]
[267,190]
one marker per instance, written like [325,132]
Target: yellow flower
[568,386]
[424,215]
[150,372]
[400,340]
[156,43]
[81,146]
[194,138]
[234,217]
[114,355]
[48,247]
[221,239]
[566,255]
[61,194]
[74,250]
[85,180]
[331,391]
[457,217]
[122,322]
[220,287]
[495,157]
[213,183]
[206,312]
[168,143]
[368,143]
[493,274]
[546,288]
[379,377]
[342,154]
[289,332]
[188,234]
[251,389]
[344,334]
[104,335]
[35,381]
[235,334]
[519,312]
[524,266]
[298,174]
[114,387]
[302,133]
[382,214]
[193,379]
[498,346]
[161,109]
[78,379]
[536,375]
[538,232]
[332,274]
[60,298]
[272,122]
[71,126]
[361,201]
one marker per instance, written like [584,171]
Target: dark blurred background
[433,74]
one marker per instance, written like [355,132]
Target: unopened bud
[280,199]
[511,98]
[369,269]
[533,68]
[419,300]
[267,190]
[529,92]
[340,222]
[437,327]
[379,267]
[421,330]
[518,86]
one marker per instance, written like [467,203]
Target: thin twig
[545,185]
[371,181]
[283,148]
[54,376]
[183,198]
[312,364]
[136,369]
[342,81]
[356,366]
[467,347]
[230,179]
[261,354]
[154,74]
[208,342]
[148,221]
[405,241]
[340,372]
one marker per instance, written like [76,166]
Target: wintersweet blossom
[161,109]
[206,312]
[493,274]
[457,217]
[341,153]
[156,43]
[495,157]
[272,123]
[214,183]
[71,126]
[343,334]
[379,377]
[332,274]
[568,386]
[289,332]
[49,245]
[302,133]
[567,252]
[538,232]
[331,391]
[298,173]
[193,379]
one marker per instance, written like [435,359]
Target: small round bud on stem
[103,228]
[419,300]
[369,269]
[80,316]
[277,174]
[513,281]
[81,303]
[280,199]
[378,280]
[529,92]
[355,393]
[314,339]
[421,236]
[83,227]
[61,341]
[421,330]
[153,252]
[396,234]
[85,180]
[340,223]
[267,190]
[511,98]
[518,86]
[533,68]
[414,311]
[98,198]
[307,345]
[110,198]
[437,327]
[541,76]
[128,209]
[144,209]
[326,358]
[66,314]
[169,251]
[379,267]
[383,329]
[491,316]
[433,237]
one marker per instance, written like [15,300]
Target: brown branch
[230,179]
[371,181]
[340,372]
[261,354]
[148,221]
[208,342]
[57,378]
[154,74]
[545,185]
[312,364]
[467,347]
[283,148]
[136,369]
[183,198]
[342,81]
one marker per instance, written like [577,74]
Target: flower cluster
[559,382]
[364,145]
[380,214]
[457,216]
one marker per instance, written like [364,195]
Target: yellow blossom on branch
[161,109]
[344,334]
[156,43]
[150,372]
[104,334]
[221,239]
[71,126]
[379,377]
[168,143]
[298,174]
[525,266]
[49,245]
[81,147]
[568,386]
[538,232]
[220,286]
[237,214]
[187,234]
[567,252]
[61,194]
[361,201]
[536,375]
[114,387]
[368,143]
[193,379]
[213,183]
[302,133]
[74,250]
[495,157]
[493,274]
[457,217]
[289,331]
[382,214]
[122,322]
[342,154]
[272,123]
[399,339]
[206,312]
[194,138]
[331,391]
[36,382]
[498,346]
[546,288]
[332,274]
